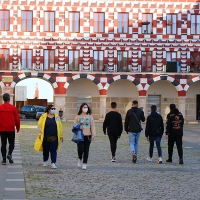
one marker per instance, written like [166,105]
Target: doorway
[154,100]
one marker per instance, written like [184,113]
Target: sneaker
[169,160]
[3,162]
[149,159]
[181,161]
[113,159]
[79,163]
[84,166]
[134,158]
[9,157]
[45,164]
[53,166]
[160,160]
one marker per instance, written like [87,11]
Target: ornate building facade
[102,51]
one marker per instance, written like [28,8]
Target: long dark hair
[89,109]
[48,108]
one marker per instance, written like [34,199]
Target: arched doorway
[192,101]
[123,92]
[162,93]
[79,91]
[33,91]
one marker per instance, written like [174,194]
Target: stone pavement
[12,186]
[104,180]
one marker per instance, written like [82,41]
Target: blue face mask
[53,112]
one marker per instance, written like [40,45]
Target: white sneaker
[45,164]
[84,166]
[149,159]
[53,166]
[79,163]
[159,160]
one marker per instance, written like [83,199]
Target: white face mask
[85,110]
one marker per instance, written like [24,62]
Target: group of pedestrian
[50,131]
[154,130]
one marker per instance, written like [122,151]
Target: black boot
[169,160]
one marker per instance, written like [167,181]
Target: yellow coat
[41,126]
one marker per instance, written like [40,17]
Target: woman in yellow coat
[50,133]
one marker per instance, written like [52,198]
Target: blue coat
[78,133]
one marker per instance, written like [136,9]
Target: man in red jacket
[9,119]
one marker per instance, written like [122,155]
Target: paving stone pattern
[104,180]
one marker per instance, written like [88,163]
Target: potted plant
[145,23]
[170,22]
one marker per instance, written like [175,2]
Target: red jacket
[9,118]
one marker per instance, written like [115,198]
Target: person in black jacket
[133,127]
[174,132]
[113,124]
[153,132]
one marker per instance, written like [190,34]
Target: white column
[181,105]
[102,106]
[142,103]
[60,105]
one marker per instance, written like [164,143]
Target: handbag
[38,144]
[141,127]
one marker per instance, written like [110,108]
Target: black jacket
[154,125]
[175,122]
[131,123]
[113,123]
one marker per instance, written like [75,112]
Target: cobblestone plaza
[103,180]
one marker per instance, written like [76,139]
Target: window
[27,21]
[195,61]
[171,56]
[122,23]
[73,64]
[49,21]
[147,23]
[4,20]
[146,62]
[98,61]
[26,59]
[195,24]
[171,24]
[49,59]
[122,61]
[74,24]
[99,22]
[4,59]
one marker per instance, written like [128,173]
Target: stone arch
[123,76]
[41,75]
[87,76]
[195,79]
[164,77]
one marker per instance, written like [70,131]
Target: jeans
[83,149]
[10,136]
[113,143]
[171,140]
[151,141]
[133,141]
[52,148]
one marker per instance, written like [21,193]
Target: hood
[175,111]
[154,114]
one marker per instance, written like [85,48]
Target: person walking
[133,127]
[114,126]
[174,132]
[153,132]
[50,129]
[85,117]
[9,119]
